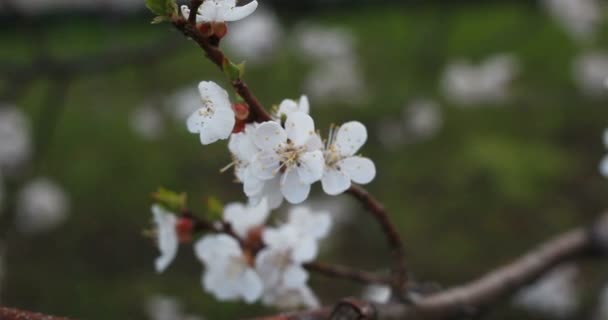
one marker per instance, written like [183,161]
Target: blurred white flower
[147,122]
[279,264]
[467,84]
[244,218]
[604,162]
[15,144]
[255,39]
[215,120]
[293,154]
[341,164]
[555,294]
[166,237]
[41,206]
[166,308]
[337,80]
[322,43]
[590,72]
[422,119]
[221,11]
[229,274]
[289,106]
[579,17]
[377,293]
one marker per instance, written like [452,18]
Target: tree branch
[344,272]
[16,314]
[216,55]
[468,299]
[379,213]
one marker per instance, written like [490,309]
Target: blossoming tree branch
[277,155]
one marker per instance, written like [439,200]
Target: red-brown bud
[205,28]
[185,229]
[220,29]
[241,111]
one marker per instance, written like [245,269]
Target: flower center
[289,155]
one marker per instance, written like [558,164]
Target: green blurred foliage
[492,183]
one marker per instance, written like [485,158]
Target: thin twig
[344,272]
[216,55]
[378,211]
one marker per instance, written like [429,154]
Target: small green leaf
[234,71]
[163,8]
[171,200]
[159,19]
[215,208]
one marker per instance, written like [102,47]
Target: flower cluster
[283,157]
[255,261]
[275,159]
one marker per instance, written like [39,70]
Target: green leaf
[171,200]
[234,71]
[215,208]
[163,8]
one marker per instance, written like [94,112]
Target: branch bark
[468,299]
[399,270]
[16,314]
[344,272]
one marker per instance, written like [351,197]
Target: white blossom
[166,237]
[255,39]
[147,122]
[15,144]
[555,294]
[487,83]
[580,17]
[215,120]
[243,151]
[229,274]
[41,206]
[279,264]
[160,307]
[288,106]
[341,164]
[377,293]
[244,218]
[221,11]
[292,153]
[590,72]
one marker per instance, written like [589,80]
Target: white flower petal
[316,225]
[252,185]
[251,286]
[213,95]
[295,277]
[306,250]
[222,123]
[240,12]
[335,181]
[299,127]
[265,165]
[168,242]
[604,166]
[314,143]
[360,170]
[269,136]
[293,189]
[243,218]
[185,11]
[350,138]
[287,107]
[311,167]
[213,250]
[304,105]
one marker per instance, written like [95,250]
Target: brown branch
[378,211]
[216,55]
[16,314]
[344,272]
[468,299]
